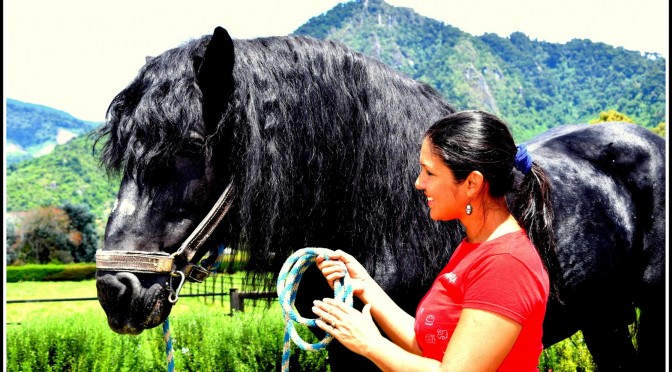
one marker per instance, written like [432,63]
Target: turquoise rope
[288,283]
[169,346]
[211,263]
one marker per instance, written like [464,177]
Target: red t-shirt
[504,276]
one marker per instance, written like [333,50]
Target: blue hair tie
[523,159]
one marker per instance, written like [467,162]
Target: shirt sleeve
[504,285]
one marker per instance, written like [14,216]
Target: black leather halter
[164,263]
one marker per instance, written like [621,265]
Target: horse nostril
[117,288]
[130,285]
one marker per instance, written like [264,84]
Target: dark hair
[478,141]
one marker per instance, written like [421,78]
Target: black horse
[320,146]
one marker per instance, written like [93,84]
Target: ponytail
[531,206]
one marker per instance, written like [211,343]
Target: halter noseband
[161,262]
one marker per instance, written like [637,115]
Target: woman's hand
[332,269]
[355,330]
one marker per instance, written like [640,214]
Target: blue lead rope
[288,283]
[211,263]
[169,346]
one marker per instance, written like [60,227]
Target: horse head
[159,135]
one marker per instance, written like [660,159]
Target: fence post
[221,290]
[214,287]
[236,301]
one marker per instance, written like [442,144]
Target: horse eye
[192,150]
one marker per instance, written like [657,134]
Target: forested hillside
[70,174]
[533,85]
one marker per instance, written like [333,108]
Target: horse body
[608,189]
[322,145]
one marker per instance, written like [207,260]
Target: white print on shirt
[430,339]
[442,334]
[451,277]
[429,320]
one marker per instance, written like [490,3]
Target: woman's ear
[474,183]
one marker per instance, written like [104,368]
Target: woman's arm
[480,342]
[397,324]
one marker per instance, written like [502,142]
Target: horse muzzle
[133,302]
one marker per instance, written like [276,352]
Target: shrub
[569,355]
[50,272]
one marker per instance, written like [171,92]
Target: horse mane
[323,144]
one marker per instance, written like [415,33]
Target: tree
[42,236]
[51,234]
[83,234]
[659,129]
[611,115]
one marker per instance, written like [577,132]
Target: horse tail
[533,209]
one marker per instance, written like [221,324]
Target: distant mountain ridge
[34,130]
[533,85]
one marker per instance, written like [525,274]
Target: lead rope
[169,346]
[288,283]
[211,263]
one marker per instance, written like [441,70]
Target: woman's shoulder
[515,243]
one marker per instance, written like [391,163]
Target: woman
[485,310]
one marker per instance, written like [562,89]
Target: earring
[468,209]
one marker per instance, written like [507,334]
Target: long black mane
[318,146]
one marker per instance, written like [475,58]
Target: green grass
[22,312]
[74,336]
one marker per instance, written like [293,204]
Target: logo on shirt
[429,320]
[442,334]
[430,339]
[451,277]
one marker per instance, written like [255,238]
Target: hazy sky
[75,55]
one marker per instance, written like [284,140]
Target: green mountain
[34,130]
[533,85]
[70,173]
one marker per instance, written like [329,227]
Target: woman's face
[445,197]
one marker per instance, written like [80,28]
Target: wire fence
[225,289]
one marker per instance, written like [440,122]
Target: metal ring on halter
[175,294]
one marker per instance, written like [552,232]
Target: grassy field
[21,312]
[261,332]
[74,336]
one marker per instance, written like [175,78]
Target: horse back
[608,185]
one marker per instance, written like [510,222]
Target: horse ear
[148,58]
[215,76]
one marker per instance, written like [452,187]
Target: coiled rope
[211,263]
[288,284]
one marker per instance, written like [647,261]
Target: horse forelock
[154,117]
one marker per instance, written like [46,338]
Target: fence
[216,287]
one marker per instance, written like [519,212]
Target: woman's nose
[418,184]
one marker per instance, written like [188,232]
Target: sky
[76,55]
